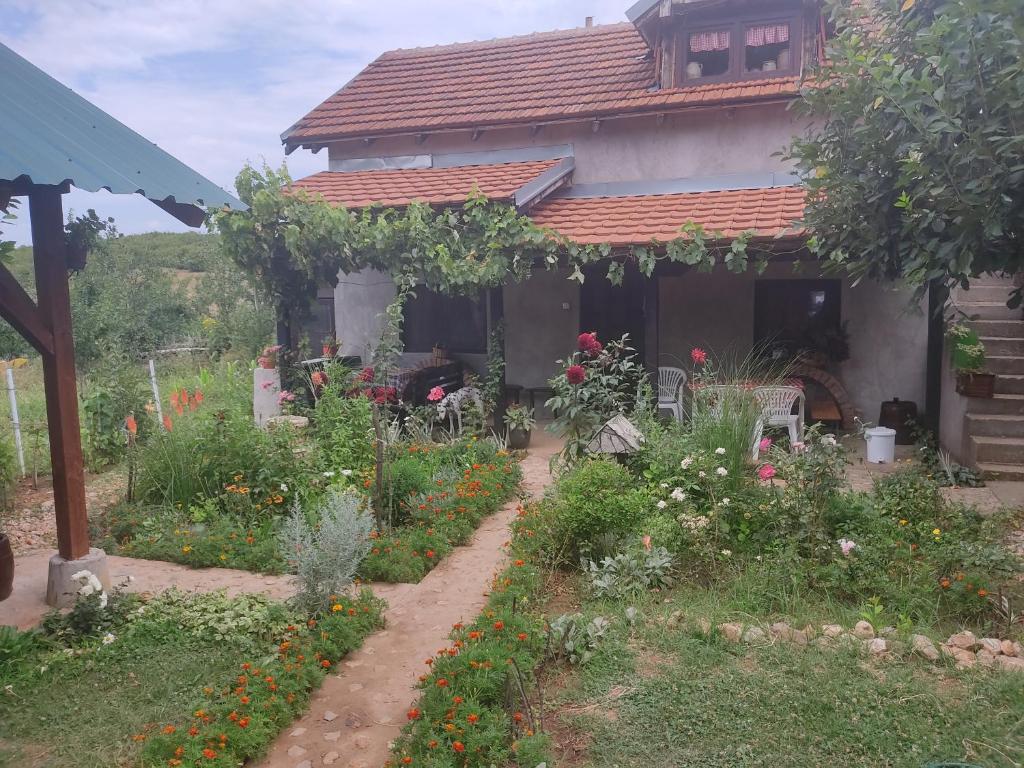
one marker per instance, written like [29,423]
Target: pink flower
[588,344]
[765,444]
[647,542]
[284,396]
[846,546]
[698,355]
[766,472]
[365,375]
[575,374]
[435,394]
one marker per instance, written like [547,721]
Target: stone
[923,646]
[732,631]
[297,732]
[965,640]
[753,635]
[61,589]
[296,751]
[832,630]
[305,764]
[863,630]
[985,657]
[1010,663]
[332,736]
[355,687]
[887,631]
[992,645]
[703,625]
[331,757]
[810,632]
[876,646]
[964,658]
[1007,647]
[330,716]
[362,741]
[780,629]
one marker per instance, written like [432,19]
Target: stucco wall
[685,145]
[541,325]
[359,301]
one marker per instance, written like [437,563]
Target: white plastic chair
[777,411]
[670,384]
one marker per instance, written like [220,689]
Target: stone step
[993,471]
[998,450]
[995,345]
[984,292]
[1009,384]
[988,310]
[1004,405]
[1011,365]
[995,425]
[998,329]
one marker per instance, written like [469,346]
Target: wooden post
[51,270]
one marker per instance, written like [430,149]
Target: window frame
[737,28]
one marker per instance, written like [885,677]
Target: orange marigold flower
[522,635]
[449,727]
[472,718]
[518,717]
[325,664]
[982,592]
[432,744]
[442,683]
[457,699]
[243,723]
[944,583]
[520,563]
[139,737]
[169,729]
[406,760]
[458,746]
[209,754]
[413,714]
[193,731]
[499,625]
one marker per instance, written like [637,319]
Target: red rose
[575,374]
[588,344]
[698,355]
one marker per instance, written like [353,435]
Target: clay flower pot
[518,439]
[6,567]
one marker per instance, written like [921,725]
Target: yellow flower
[903,522]
[336,607]
[936,532]
[223,556]
[186,549]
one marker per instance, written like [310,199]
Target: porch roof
[768,212]
[515,182]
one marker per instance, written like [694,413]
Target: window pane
[707,54]
[457,323]
[766,48]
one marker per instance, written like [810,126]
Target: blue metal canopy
[49,135]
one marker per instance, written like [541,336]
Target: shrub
[406,478]
[597,497]
[573,638]
[8,470]
[342,425]
[325,556]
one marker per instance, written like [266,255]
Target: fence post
[15,421]
[156,394]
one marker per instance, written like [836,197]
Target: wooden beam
[18,309]
[51,268]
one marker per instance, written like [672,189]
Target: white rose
[662,504]
[720,451]
[721,471]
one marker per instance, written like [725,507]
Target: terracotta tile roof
[579,73]
[637,220]
[359,189]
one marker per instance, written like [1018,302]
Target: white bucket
[881,442]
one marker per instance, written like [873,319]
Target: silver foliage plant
[325,556]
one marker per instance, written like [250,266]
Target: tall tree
[915,160]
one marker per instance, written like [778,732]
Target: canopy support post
[50,255]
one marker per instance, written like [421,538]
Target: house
[619,134]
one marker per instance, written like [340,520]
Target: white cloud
[216,83]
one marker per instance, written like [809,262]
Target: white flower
[702,473]
[109,638]
[720,451]
[328,473]
[95,583]
[69,651]
[103,599]
[86,590]
[758,558]
[664,485]
[81,575]
[726,552]
[685,463]
[141,610]
[346,473]
[284,487]
[829,440]
[662,504]
[725,502]
[721,471]
[678,494]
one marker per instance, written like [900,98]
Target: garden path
[357,713]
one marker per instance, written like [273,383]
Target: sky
[216,83]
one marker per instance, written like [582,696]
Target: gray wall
[359,301]
[687,144]
[538,328]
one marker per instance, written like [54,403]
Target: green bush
[597,497]
[406,478]
[343,425]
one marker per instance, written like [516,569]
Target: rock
[295,422]
[296,751]
[362,741]
[330,716]
[1010,663]
[863,630]
[330,758]
[923,646]
[965,640]
[887,631]
[876,646]
[847,640]
[964,658]
[780,629]
[703,625]
[809,632]
[985,657]
[822,642]
[1008,647]
[832,630]
[731,631]
[991,645]
[332,736]
[305,764]
[753,635]
[297,732]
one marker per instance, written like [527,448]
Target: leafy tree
[915,160]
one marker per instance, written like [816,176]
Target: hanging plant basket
[976,384]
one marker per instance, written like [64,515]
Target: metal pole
[15,421]
[156,394]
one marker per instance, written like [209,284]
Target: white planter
[266,386]
[881,445]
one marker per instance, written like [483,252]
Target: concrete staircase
[995,427]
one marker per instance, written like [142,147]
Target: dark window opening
[801,319]
[320,324]
[707,54]
[742,48]
[455,323]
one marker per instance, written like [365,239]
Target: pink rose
[765,444]
[435,394]
[766,472]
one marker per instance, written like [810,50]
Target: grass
[671,695]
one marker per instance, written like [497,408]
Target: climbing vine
[294,242]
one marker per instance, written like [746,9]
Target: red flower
[131,425]
[698,355]
[319,378]
[575,374]
[413,714]
[209,754]
[472,718]
[458,746]
[499,625]
[168,425]
[588,344]
[442,683]
[365,375]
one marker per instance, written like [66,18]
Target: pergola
[50,140]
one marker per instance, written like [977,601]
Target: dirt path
[357,712]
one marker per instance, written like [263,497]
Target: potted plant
[520,423]
[967,355]
[331,346]
[268,360]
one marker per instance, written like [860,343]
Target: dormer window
[738,49]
